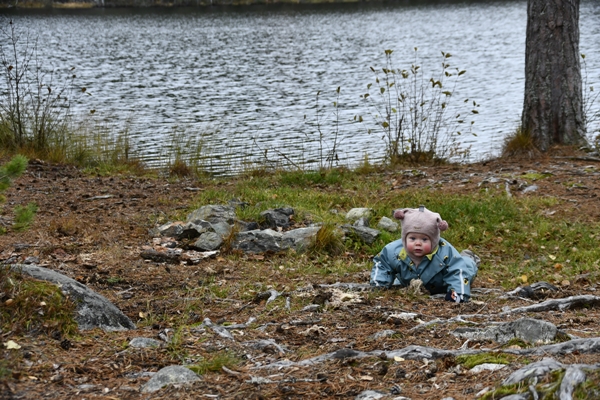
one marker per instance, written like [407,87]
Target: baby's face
[418,244]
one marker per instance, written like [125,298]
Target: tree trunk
[553,104]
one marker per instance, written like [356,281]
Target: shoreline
[33,5]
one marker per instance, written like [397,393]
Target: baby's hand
[453,296]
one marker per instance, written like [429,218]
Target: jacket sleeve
[383,271]
[460,274]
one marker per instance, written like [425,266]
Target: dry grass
[520,143]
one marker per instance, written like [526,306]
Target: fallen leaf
[11,345]
[524,278]
[398,359]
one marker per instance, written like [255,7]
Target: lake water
[245,79]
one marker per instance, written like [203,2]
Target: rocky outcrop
[207,228]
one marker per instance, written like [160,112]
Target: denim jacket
[441,271]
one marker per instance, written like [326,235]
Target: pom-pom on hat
[421,220]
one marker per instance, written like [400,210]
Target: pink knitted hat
[421,220]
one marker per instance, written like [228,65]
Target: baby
[422,254]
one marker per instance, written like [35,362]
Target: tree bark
[553,103]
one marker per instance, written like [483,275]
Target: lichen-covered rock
[169,375]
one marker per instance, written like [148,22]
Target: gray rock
[213,213]
[167,376]
[141,343]
[222,228]
[362,222]
[299,239]
[387,224]
[370,395]
[527,329]
[170,229]
[258,241]
[193,229]
[244,226]
[367,235]
[383,334]
[92,309]
[486,367]
[357,213]
[531,188]
[208,241]
[278,218]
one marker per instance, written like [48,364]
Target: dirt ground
[93,228]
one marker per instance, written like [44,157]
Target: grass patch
[517,239]
[534,176]
[520,143]
[215,362]
[24,216]
[31,306]
[328,240]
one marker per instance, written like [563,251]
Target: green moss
[590,388]
[215,362]
[535,176]
[517,342]
[472,360]
[502,392]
